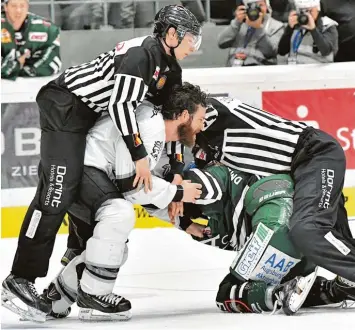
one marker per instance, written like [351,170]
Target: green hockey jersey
[223,192]
[39,39]
[251,215]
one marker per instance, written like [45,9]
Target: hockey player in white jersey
[110,210]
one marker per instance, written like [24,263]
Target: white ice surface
[171,282]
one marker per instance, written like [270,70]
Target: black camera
[253,11]
[302,17]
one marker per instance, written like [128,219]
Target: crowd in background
[257,32]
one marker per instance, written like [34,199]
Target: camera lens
[253,12]
[302,19]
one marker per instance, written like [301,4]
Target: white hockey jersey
[107,151]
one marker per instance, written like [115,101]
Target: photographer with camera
[252,36]
[309,37]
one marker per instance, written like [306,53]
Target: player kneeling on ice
[251,215]
[104,213]
[255,141]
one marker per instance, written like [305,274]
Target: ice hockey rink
[171,282]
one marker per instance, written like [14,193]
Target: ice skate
[109,307]
[338,290]
[59,298]
[16,287]
[292,294]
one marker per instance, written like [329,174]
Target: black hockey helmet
[180,18]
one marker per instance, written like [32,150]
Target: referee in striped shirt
[255,141]
[116,81]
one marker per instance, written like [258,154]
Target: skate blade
[298,297]
[31,314]
[90,315]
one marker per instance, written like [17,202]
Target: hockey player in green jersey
[250,215]
[29,43]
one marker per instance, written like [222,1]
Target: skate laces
[277,304]
[111,298]
[33,289]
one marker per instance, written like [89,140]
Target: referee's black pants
[65,122]
[319,225]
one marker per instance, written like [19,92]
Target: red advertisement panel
[332,110]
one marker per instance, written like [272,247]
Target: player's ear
[185,116]
[171,34]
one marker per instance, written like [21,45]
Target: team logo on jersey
[155,111]
[5,36]
[156,73]
[167,169]
[38,36]
[37,21]
[158,146]
[161,82]
[137,140]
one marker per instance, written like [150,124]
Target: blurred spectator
[197,8]
[280,9]
[342,11]
[222,10]
[29,43]
[83,16]
[253,35]
[309,37]
[120,15]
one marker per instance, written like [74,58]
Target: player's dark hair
[185,97]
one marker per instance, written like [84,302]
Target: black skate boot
[17,287]
[59,298]
[291,295]
[109,307]
[59,295]
[337,290]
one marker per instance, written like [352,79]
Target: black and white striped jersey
[250,139]
[119,80]
[222,202]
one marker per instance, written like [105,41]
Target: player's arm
[163,193]
[211,191]
[154,141]
[49,62]
[175,152]
[10,66]
[134,72]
